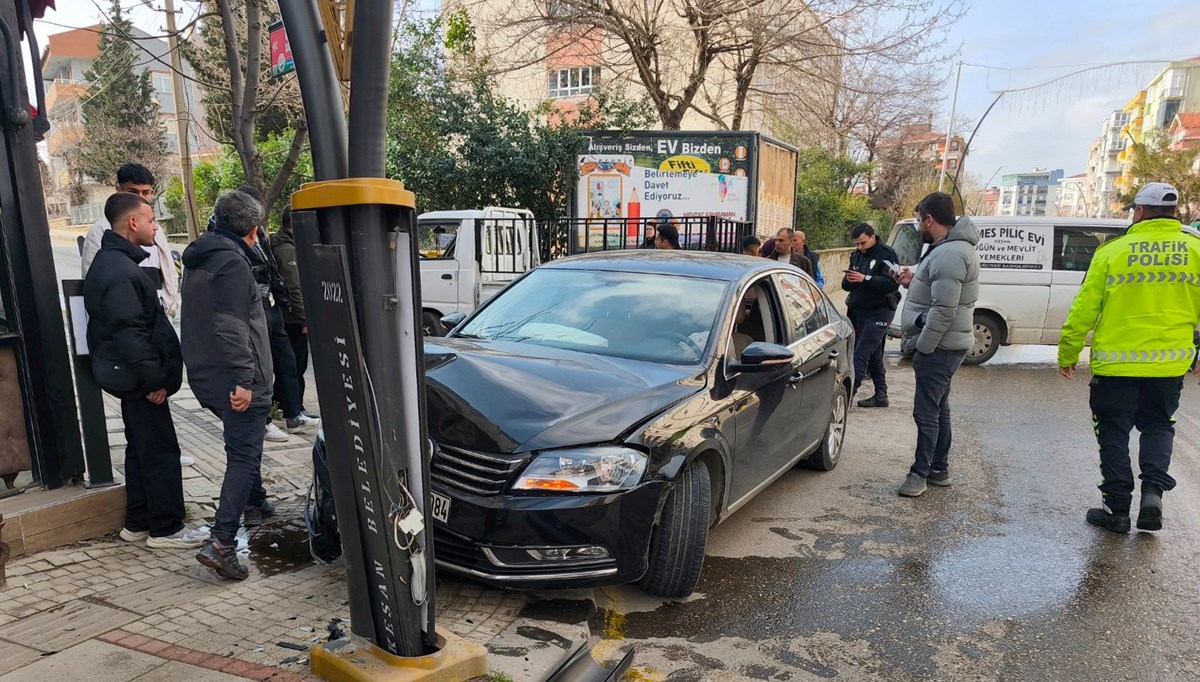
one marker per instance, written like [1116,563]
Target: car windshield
[638,316]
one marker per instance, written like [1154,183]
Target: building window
[1167,113]
[163,84]
[953,163]
[954,146]
[573,82]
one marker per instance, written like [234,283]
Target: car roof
[728,267]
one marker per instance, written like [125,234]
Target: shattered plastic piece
[289,660]
[305,628]
[293,646]
[335,632]
[259,649]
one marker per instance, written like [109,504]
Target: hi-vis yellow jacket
[1142,296]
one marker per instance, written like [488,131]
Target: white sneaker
[134,536]
[302,423]
[186,461]
[275,434]
[188,538]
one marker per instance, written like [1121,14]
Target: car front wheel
[677,547]
[431,325]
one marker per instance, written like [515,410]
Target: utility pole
[950,128]
[181,123]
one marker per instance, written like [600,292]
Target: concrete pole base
[356,660]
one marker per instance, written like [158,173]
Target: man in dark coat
[871,306]
[136,357]
[780,249]
[228,355]
[295,323]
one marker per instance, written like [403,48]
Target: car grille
[472,471]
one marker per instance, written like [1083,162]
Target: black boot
[877,400]
[1150,511]
[1113,522]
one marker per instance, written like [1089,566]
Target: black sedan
[599,415]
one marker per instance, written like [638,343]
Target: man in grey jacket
[939,330]
[228,355]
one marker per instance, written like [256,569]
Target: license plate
[440,505]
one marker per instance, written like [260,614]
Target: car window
[906,242]
[1075,246]
[436,239]
[805,309]
[755,319]
[639,316]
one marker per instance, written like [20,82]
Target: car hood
[493,396]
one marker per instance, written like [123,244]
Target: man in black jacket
[295,322]
[228,356]
[871,306]
[136,357]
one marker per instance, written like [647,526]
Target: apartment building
[66,59]
[929,145]
[1034,193]
[1072,197]
[1104,170]
[559,69]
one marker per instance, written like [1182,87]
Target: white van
[468,256]
[1031,269]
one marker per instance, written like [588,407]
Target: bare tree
[235,51]
[723,60]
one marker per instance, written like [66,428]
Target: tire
[431,325]
[677,546]
[827,454]
[988,337]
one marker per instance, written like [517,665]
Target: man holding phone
[871,305]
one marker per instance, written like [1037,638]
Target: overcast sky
[1039,40]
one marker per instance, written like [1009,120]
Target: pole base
[356,660]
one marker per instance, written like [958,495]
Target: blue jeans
[242,486]
[931,409]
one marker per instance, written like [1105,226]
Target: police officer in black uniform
[874,295]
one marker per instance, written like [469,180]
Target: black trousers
[287,384]
[242,485]
[299,341]
[870,334]
[931,409]
[153,475]
[1118,405]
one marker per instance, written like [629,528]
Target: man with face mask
[939,329]
[1141,299]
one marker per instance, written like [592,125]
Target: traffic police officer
[1141,295]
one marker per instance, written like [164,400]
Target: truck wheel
[826,456]
[431,325]
[987,340]
[677,546]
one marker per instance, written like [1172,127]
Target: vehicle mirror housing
[762,357]
[453,320]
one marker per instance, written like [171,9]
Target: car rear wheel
[431,325]
[677,547]
[987,340]
[826,456]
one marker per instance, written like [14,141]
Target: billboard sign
[281,51]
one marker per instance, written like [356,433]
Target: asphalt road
[998,577]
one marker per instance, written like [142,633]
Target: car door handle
[795,378]
[447,276]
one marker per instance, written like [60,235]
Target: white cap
[1156,194]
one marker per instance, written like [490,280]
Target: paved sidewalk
[118,611]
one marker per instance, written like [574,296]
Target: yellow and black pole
[355,232]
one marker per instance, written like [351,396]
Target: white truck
[468,256]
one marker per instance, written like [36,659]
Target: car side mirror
[453,320]
[762,357]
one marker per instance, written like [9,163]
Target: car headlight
[599,469]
